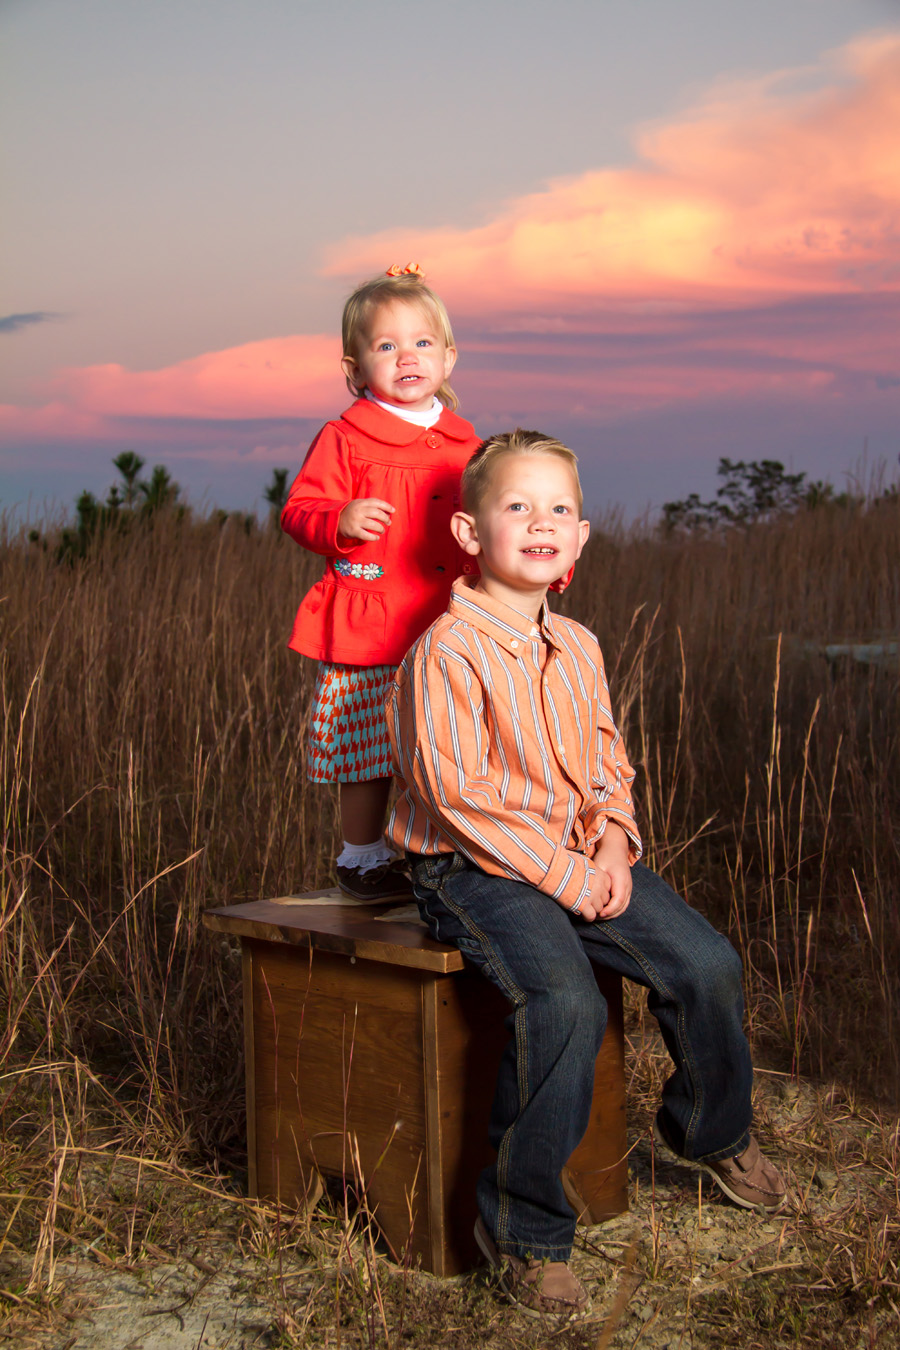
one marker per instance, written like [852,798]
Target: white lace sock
[364,857]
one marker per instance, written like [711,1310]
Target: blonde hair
[408,289]
[477,474]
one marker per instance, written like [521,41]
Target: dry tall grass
[780,764]
[153,763]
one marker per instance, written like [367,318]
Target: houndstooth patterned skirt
[348,736]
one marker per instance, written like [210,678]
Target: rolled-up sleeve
[611,777]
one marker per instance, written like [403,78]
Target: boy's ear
[465,532]
[584,529]
[449,361]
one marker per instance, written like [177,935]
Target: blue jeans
[540,958]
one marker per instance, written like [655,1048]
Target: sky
[666,233]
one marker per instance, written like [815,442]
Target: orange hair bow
[410,270]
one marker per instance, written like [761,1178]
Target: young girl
[375,496]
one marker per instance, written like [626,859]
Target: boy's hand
[592,903]
[611,891]
[365,518]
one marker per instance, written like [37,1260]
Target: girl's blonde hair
[409,288]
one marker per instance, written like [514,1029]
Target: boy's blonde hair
[478,472]
[409,289]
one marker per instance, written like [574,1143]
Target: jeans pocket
[474,952]
[444,919]
[429,870]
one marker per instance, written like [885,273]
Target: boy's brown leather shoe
[749,1179]
[540,1288]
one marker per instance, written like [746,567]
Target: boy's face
[526,532]
[403,359]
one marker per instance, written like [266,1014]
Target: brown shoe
[540,1288]
[386,882]
[749,1179]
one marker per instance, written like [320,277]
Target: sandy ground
[668,1275]
[222,1301]
[169,1307]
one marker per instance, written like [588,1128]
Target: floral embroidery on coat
[362,571]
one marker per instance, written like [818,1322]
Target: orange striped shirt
[505,746]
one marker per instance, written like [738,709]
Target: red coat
[372,618]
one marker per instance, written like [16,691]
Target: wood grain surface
[372,1054]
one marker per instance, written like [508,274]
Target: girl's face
[403,359]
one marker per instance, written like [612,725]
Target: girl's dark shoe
[387,882]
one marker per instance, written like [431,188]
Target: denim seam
[506,1142]
[689,1063]
[532,1252]
[517,997]
[732,1151]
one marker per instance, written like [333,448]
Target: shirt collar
[383,426]
[426,419]
[505,625]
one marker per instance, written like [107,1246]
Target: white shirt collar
[419,419]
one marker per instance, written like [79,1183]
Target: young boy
[517,819]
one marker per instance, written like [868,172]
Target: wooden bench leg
[336,1085]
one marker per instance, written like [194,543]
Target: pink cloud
[752,251]
[597,392]
[756,195]
[280,377]
[47,422]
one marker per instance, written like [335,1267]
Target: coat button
[432,440]
[467,567]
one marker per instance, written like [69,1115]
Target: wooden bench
[363,1029]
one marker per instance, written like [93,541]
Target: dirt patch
[683,1268]
[164,1307]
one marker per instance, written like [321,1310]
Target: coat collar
[382,426]
[507,626]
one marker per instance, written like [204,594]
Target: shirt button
[432,440]
[514,643]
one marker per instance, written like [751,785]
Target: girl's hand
[365,518]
